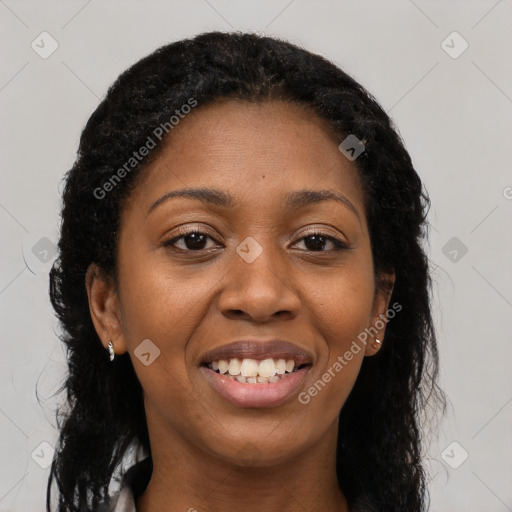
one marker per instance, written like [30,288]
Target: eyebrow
[293,200]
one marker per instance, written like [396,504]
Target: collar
[133,484]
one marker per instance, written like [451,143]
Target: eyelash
[338,244]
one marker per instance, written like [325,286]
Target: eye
[193,240]
[317,240]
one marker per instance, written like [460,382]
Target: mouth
[272,393]
[256,374]
[258,350]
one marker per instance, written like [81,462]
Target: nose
[259,291]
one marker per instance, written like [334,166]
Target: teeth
[280,366]
[234,367]
[267,368]
[252,371]
[249,368]
[256,380]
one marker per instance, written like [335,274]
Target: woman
[243,291]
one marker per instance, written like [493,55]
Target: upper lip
[259,349]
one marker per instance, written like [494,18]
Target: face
[263,267]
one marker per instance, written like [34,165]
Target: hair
[379,452]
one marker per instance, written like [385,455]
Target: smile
[252,383]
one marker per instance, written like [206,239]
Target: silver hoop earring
[111,350]
[378,343]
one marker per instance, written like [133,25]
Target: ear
[104,308]
[378,319]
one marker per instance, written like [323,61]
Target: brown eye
[316,242]
[192,241]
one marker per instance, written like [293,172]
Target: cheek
[163,308]
[159,301]
[341,310]
[342,307]
[338,366]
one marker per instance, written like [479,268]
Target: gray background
[453,113]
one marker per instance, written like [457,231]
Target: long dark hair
[379,454]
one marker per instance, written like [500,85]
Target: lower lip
[259,394]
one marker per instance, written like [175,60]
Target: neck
[187,479]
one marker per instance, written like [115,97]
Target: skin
[209,454]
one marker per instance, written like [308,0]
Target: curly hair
[379,452]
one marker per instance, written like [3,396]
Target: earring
[376,344]
[111,350]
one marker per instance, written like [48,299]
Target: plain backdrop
[441,69]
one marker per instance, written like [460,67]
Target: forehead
[278,128]
[251,150]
